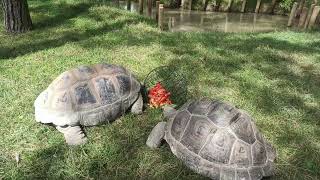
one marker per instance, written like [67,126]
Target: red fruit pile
[158,96]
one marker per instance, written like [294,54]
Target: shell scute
[256,173]
[61,101]
[196,133]
[179,124]
[199,107]
[242,174]
[63,81]
[115,110]
[108,69]
[259,155]
[124,85]
[217,149]
[228,173]
[243,129]
[222,114]
[268,169]
[83,73]
[83,95]
[106,90]
[92,118]
[241,154]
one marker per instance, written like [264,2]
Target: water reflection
[225,22]
[186,20]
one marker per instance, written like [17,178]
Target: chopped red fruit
[159,96]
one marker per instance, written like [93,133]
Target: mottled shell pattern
[87,95]
[219,141]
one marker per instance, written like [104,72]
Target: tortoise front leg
[73,134]
[156,135]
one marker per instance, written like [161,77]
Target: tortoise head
[169,111]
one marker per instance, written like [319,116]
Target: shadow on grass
[44,161]
[46,33]
[132,159]
[114,151]
[63,13]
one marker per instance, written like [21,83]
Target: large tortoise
[88,96]
[216,140]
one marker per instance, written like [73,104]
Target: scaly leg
[156,135]
[73,134]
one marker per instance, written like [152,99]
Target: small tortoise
[88,96]
[216,140]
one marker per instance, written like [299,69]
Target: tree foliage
[283,6]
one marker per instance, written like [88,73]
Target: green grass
[273,76]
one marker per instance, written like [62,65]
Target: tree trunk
[205,5]
[273,6]
[16,16]
[300,7]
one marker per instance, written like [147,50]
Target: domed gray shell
[219,141]
[87,95]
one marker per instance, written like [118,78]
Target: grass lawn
[273,76]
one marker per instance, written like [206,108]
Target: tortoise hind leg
[156,135]
[137,107]
[73,134]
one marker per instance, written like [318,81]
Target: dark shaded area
[111,153]
[47,25]
[43,161]
[64,12]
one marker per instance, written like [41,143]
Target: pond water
[186,20]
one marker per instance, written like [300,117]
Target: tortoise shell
[87,95]
[219,141]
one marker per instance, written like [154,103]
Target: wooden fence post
[117,3]
[300,7]
[161,16]
[186,4]
[254,21]
[258,6]
[190,4]
[243,7]
[229,5]
[314,16]
[157,10]
[141,6]
[226,24]
[303,16]
[150,8]
[292,14]
[129,5]
[171,23]
[205,5]
[273,6]
[309,16]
